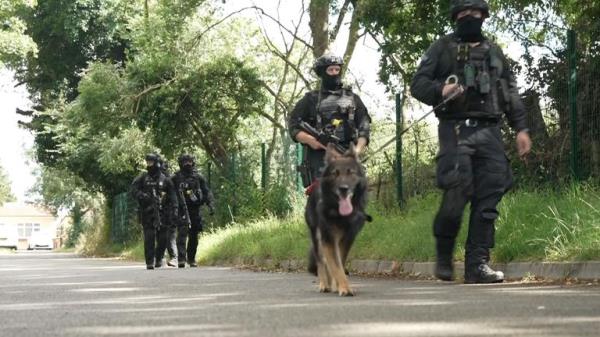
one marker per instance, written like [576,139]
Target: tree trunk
[319,26]
[353,35]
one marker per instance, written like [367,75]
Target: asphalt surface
[49,294]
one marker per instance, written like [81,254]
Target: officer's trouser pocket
[497,174]
[447,170]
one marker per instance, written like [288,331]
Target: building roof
[19,209]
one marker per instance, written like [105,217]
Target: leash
[452,79]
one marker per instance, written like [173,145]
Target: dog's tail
[312,262]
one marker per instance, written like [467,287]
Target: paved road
[47,294]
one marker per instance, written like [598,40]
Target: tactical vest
[478,70]
[335,114]
[189,185]
[156,187]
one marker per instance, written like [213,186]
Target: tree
[68,35]
[403,30]
[14,43]
[5,191]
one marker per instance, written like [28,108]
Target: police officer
[170,224]
[472,74]
[193,192]
[157,200]
[334,110]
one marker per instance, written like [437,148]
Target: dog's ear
[331,153]
[351,152]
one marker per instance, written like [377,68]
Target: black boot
[444,268]
[482,273]
[477,269]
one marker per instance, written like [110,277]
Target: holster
[304,169]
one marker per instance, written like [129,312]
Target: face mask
[187,168]
[331,82]
[468,29]
[152,169]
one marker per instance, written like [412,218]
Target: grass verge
[537,225]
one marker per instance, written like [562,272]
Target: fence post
[572,78]
[299,155]
[263,166]
[399,123]
[209,173]
[232,183]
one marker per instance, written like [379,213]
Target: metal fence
[584,107]
[124,227]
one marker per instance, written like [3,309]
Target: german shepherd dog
[335,214]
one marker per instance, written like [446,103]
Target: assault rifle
[322,137]
[185,219]
[156,208]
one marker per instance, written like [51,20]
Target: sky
[363,66]
[15,140]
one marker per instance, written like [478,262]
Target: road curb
[514,270]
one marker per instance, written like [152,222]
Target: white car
[9,236]
[40,240]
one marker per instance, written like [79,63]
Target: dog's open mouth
[345,205]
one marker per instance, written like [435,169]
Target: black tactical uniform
[193,192]
[170,224]
[471,163]
[334,110]
[157,200]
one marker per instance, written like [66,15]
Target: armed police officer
[193,192]
[157,200]
[333,114]
[170,223]
[471,73]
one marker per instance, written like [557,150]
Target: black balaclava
[468,29]
[187,167]
[331,82]
[154,169]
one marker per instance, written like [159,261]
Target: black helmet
[185,157]
[156,163]
[460,5]
[154,157]
[325,61]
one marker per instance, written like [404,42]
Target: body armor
[190,187]
[477,69]
[155,188]
[335,115]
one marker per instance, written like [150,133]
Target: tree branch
[340,20]
[391,57]
[353,35]
[285,59]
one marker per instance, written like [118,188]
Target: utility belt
[473,122]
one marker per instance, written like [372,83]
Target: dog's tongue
[345,206]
